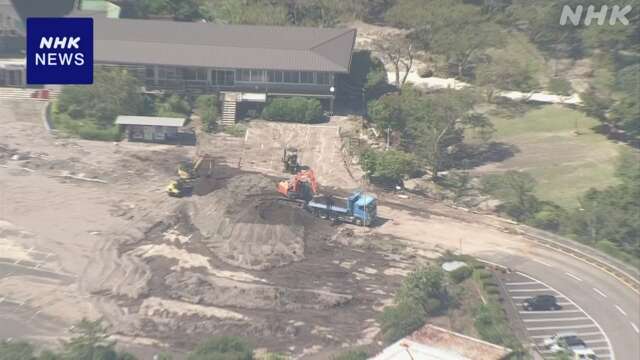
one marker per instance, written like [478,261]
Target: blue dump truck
[359,208]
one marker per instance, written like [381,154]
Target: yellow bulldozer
[188,174]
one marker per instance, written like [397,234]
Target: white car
[583,354]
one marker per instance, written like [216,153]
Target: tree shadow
[615,134]
[473,155]
[510,109]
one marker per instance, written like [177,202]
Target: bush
[401,320]
[351,355]
[388,166]
[483,274]
[425,287]
[295,109]
[560,86]
[84,128]
[223,348]
[492,290]
[207,108]
[461,274]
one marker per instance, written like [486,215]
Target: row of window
[226,76]
[274,76]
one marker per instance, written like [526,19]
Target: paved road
[609,302]
[614,306]
[544,324]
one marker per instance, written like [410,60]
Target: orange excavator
[301,186]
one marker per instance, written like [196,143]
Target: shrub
[461,274]
[560,86]
[223,347]
[483,274]
[388,166]
[425,287]
[351,355]
[401,320]
[295,109]
[84,128]
[207,108]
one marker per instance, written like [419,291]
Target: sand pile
[245,225]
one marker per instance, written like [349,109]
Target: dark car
[541,303]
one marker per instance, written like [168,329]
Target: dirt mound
[245,225]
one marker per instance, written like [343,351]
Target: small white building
[435,343]
[150,128]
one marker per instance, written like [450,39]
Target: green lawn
[564,164]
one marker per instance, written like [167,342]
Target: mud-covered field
[87,231]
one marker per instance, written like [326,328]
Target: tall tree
[90,343]
[437,127]
[398,51]
[516,190]
[505,72]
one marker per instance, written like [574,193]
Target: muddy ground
[87,230]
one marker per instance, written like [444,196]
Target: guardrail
[614,267]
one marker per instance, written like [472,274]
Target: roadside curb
[622,276]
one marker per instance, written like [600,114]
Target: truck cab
[364,208]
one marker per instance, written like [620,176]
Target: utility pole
[364,105]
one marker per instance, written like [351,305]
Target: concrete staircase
[14,93]
[229,106]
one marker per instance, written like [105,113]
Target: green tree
[455,29]
[425,287]
[352,355]
[295,109]
[399,52]
[114,92]
[207,108]
[392,112]
[16,350]
[250,12]
[181,10]
[90,343]
[401,320]
[612,215]
[516,190]
[367,78]
[437,127]
[505,72]
[389,166]
[222,348]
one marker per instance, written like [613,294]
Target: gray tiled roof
[9,16]
[222,46]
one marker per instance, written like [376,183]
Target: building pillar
[209,71]
[156,74]
[331,104]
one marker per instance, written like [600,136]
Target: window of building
[188,74]
[258,76]
[274,76]
[323,78]
[306,77]
[291,77]
[167,72]
[149,73]
[245,75]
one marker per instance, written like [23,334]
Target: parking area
[541,325]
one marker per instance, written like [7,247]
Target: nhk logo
[59,50]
